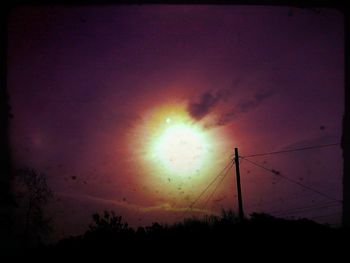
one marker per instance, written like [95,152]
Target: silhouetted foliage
[109,230]
[109,222]
[31,195]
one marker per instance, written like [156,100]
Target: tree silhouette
[109,222]
[109,231]
[31,195]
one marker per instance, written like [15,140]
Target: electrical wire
[307,209]
[227,167]
[327,215]
[294,150]
[217,186]
[303,208]
[290,180]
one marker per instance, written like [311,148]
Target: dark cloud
[242,107]
[261,95]
[207,101]
[250,104]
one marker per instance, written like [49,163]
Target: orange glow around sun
[178,155]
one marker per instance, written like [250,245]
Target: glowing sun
[181,148]
[175,151]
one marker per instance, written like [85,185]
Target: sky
[137,109]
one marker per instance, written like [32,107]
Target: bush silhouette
[32,193]
[109,231]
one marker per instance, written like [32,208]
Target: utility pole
[239,193]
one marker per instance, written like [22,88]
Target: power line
[307,209]
[327,215]
[303,207]
[217,186]
[291,180]
[209,185]
[275,202]
[293,150]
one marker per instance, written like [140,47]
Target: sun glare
[181,149]
[175,145]
[176,153]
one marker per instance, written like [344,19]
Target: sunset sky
[138,108]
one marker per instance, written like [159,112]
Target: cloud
[252,103]
[242,107]
[208,100]
[200,109]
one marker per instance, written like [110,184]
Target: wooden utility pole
[239,192]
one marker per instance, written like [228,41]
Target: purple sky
[82,81]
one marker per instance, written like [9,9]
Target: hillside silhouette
[109,231]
